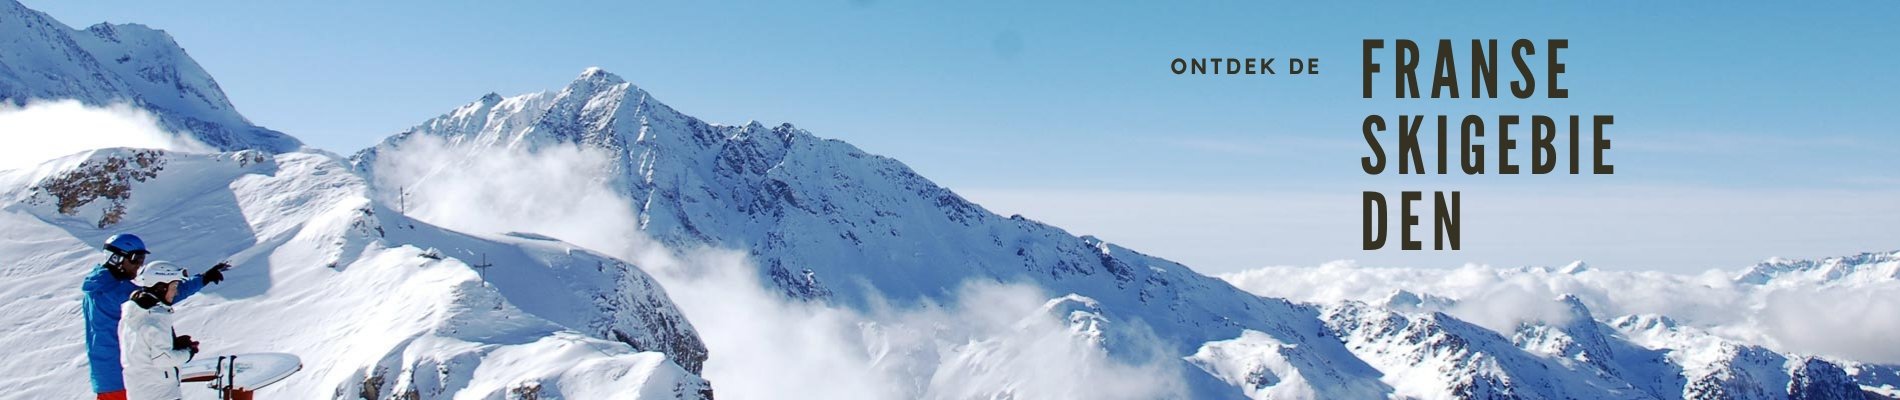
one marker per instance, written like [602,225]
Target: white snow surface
[375,304]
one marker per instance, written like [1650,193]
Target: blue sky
[1066,112]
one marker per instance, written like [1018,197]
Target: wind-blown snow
[549,191]
[45,130]
[996,340]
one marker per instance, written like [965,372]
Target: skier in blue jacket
[109,286]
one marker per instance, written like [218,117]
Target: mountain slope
[1717,368]
[825,221]
[1709,335]
[377,305]
[42,59]
[1433,355]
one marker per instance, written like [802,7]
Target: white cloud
[1855,321]
[554,191]
[44,130]
[992,338]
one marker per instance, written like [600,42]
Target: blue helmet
[126,244]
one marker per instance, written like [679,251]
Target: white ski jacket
[145,347]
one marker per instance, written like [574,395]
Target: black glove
[184,342]
[216,274]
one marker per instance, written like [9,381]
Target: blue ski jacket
[104,295]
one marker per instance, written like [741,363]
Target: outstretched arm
[190,287]
[198,282]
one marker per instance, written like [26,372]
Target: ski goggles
[119,257]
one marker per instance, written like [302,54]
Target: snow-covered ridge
[1811,330]
[43,59]
[376,304]
[1859,268]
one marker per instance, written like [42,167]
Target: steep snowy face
[377,305]
[42,59]
[1813,378]
[1712,367]
[1432,355]
[1876,381]
[827,222]
[1582,343]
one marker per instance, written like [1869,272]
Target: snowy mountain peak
[1643,322]
[1402,297]
[595,79]
[122,63]
[1582,341]
[1408,301]
[598,73]
[110,32]
[1575,267]
[1576,307]
[824,221]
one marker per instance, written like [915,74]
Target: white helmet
[158,272]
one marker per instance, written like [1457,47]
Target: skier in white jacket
[151,350]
